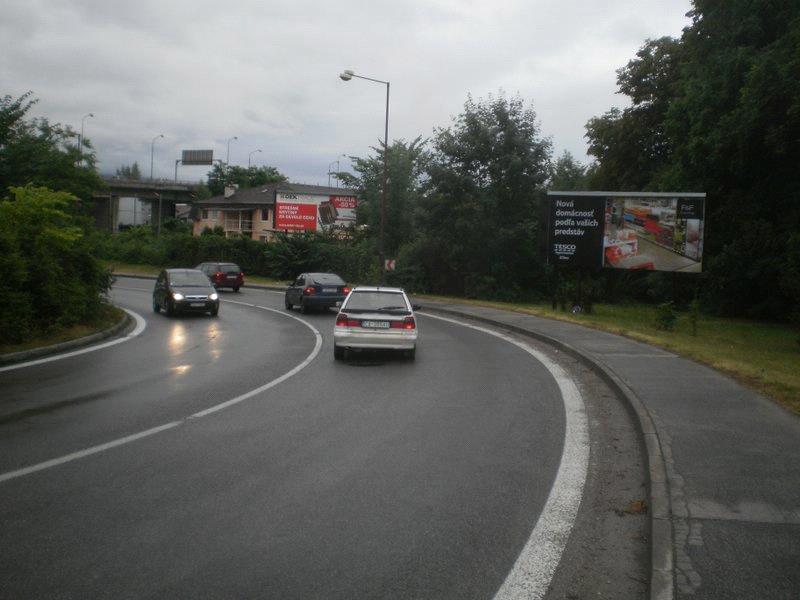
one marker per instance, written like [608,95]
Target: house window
[205,214]
[265,214]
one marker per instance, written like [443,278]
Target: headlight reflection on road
[181,369]
[177,338]
[213,334]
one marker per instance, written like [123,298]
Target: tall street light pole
[249,156]
[347,75]
[228,155]
[338,170]
[152,148]
[80,140]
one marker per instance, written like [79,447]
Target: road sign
[389,264]
[197,157]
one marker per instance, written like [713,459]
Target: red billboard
[295,216]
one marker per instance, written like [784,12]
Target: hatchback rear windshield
[230,268]
[327,279]
[189,278]
[376,301]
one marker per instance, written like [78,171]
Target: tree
[568,174]
[226,175]
[478,220]
[49,278]
[631,145]
[130,172]
[719,111]
[40,153]
[406,170]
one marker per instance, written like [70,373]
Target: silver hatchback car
[376,318]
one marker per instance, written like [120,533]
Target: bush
[666,318]
[49,278]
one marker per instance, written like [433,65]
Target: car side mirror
[416,307]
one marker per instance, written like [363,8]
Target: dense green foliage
[226,175]
[284,258]
[37,152]
[49,278]
[719,111]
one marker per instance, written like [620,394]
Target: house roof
[265,195]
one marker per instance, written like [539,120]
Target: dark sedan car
[185,290]
[223,275]
[316,290]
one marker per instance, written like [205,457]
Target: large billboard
[313,212]
[626,230]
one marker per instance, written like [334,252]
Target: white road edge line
[533,570]
[140,326]
[198,415]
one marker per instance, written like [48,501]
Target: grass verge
[106,318]
[762,356]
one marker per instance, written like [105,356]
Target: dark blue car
[316,291]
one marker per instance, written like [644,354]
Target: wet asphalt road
[375,477]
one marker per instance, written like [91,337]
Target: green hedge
[49,277]
[284,258]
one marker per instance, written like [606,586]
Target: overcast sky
[201,72]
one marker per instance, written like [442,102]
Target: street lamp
[80,140]
[347,75]
[336,162]
[152,147]
[249,156]
[228,155]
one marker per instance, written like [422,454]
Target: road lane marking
[173,424]
[533,570]
[140,326]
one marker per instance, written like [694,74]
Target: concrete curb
[662,585]
[122,327]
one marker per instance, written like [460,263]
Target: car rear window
[195,278]
[230,268]
[327,279]
[371,301]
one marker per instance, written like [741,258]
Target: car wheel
[236,289]
[411,354]
[287,304]
[303,308]
[156,307]
[170,310]
[338,352]
[215,311]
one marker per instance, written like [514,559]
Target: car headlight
[177,296]
[213,296]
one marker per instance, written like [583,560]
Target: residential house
[260,211]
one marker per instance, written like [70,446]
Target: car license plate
[197,304]
[376,324]
[232,277]
[328,290]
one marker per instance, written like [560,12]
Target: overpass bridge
[161,194]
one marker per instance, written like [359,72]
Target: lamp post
[80,140]
[338,168]
[249,156]
[152,148]
[347,75]
[228,155]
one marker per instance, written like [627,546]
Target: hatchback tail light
[309,291]
[219,275]
[407,323]
[342,320]
[345,290]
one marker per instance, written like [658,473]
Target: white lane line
[198,415]
[140,326]
[534,568]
